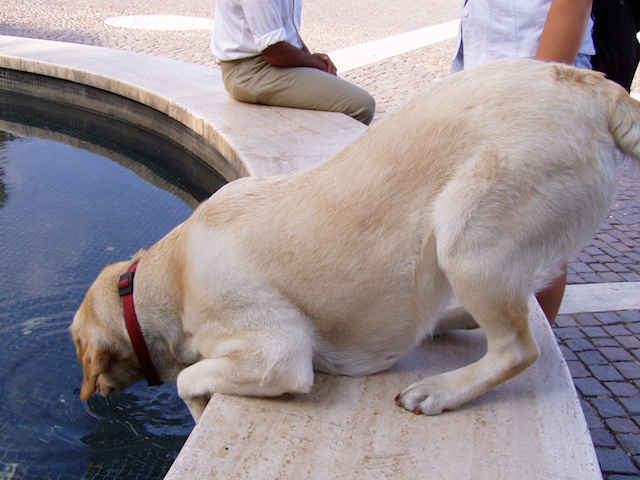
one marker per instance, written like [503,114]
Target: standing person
[615,25]
[264,60]
[548,30]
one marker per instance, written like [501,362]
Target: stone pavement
[602,349]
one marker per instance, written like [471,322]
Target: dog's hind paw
[425,398]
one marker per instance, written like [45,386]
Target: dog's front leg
[197,383]
[255,369]
[196,405]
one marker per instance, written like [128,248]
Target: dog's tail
[624,123]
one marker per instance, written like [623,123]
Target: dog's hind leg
[492,267]
[511,349]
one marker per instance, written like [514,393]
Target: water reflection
[70,213]
[4,136]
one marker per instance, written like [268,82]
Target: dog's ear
[94,362]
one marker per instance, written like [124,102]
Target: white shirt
[244,28]
[495,29]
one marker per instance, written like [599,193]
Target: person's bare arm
[564,30]
[561,39]
[283,54]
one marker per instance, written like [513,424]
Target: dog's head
[109,364]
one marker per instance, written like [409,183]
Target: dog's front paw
[425,397]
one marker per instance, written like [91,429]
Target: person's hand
[283,54]
[331,68]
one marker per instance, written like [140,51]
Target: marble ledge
[193,95]
[530,428]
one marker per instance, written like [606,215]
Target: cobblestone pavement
[602,349]
[603,353]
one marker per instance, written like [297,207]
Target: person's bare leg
[551,297]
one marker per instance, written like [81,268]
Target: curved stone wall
[194,96]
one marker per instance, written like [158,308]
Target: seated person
[264,60]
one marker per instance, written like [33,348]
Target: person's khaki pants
[253,80]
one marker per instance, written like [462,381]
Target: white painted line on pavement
[345,59]
[161,22]
[601,297]
[367,53]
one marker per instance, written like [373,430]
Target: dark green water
[64,214]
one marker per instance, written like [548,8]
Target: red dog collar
[125,287]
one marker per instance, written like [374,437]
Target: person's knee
[366,108]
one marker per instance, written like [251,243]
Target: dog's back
[512,163]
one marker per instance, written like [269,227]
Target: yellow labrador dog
[476,191]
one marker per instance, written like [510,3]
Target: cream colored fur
[473,193]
